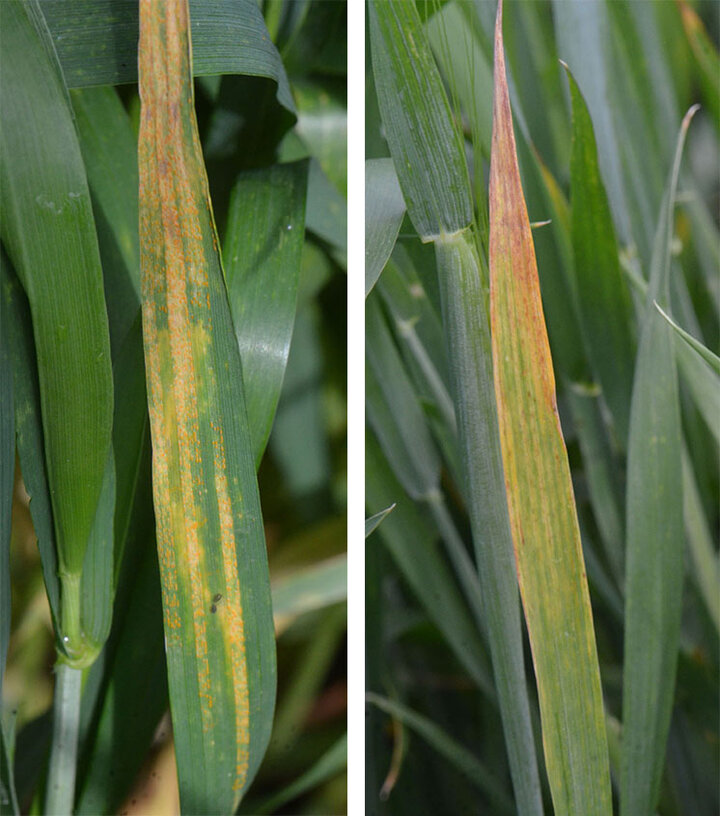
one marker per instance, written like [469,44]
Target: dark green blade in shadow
[603,297]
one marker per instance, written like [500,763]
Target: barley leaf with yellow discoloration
[221,655]
[540,498]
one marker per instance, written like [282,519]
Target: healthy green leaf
[702,351]
[427,150]
[48,230]
[96,41]
[384,212]
[298,441]
[372,523]
[653,597]
[304,590]
[120,742]
[216,595]
[581,31]
[603,298]
[394,410]
[109,149]
[263,242]
[543,516]
[419,331]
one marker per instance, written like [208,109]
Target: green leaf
[304,590]
[427,150]
[263,242]
[384,212]
[326,214]
[446,746]
[603,298]
[49,232]
[372,523]
[120,742]
[543,516]
[299,442]
[702,351]
[394,411]
[213,564]
[705,560]
[322,124]
[582,31]
[97,41]
[454,44]
[109,149]
[419,334]
[653,597]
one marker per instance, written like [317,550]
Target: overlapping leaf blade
[603,297]
[384,211]
[263,242]
[96,41]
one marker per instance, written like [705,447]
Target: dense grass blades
[610,459]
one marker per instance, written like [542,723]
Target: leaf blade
[654,533]
[216,594]
[541,505]
[603,297]
[263,244]
[49,232]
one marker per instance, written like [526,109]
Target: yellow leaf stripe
[541,505]
[202,516]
